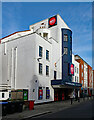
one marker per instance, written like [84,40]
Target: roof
[13,34]
[82,59]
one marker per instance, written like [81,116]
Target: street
[82,111]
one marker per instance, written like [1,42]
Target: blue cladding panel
[66,59]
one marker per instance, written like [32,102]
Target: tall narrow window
[3,95]
[40,93]
[40,51]
[47,55]
[77,70]
[45,35]
[40,68]
[47,70]
[82,66]
[70,39]
[82,74]
[65,50]
[65,37]
[55,73]
[75,78]
[70,52]
[47,93]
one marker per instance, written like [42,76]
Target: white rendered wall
[85,75]
[0,64]
[76,64]
[6,95]
[20,64]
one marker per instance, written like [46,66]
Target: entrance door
[59,95]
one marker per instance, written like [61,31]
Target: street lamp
[39,59]
[59,59]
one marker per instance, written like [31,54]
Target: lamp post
[59,59]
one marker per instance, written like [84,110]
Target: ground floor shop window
[40,93]
[47,93]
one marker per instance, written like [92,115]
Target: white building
[75,78]
[28,58]
[85,78]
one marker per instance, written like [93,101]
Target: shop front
[62,90]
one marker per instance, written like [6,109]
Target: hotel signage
[71,69]
[52,21]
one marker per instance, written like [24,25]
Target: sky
[17,16]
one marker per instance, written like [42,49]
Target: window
[55,73]
[70,39]
[47,93]
[40,68]
[82,82]
[75,78]
[3,95]
[75,69]
[45,35]
[40,34]
[47,55]
[70,52]
[47,70]
[40,51]
[65,37]
[65,50]
[82,66]
[82,74]
[40,93]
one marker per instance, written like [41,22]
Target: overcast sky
[17,16]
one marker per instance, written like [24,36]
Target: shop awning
[65,84]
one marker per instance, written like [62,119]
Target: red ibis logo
[72,69]
[52,21]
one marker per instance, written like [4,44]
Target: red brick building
[85,78]
[81,72]
[93,81]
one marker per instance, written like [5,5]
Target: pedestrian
[78,96]
[71,98]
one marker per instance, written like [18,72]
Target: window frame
[40,68]
[70,39]
[47,97]
[65,38]
[55,74]
[47,54]
[3,95]
[65,52]
[47,70]
[40,52]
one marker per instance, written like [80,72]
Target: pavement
[44,108]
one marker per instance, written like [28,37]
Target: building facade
[90,89]
[75,78]
[38,62]
[85,76]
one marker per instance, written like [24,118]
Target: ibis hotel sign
[71,69]
[52,21]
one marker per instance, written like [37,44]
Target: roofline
[82,59]
[19,37]
[48,18]
[63,21]
[13,34]
[43,20]
[24,36]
